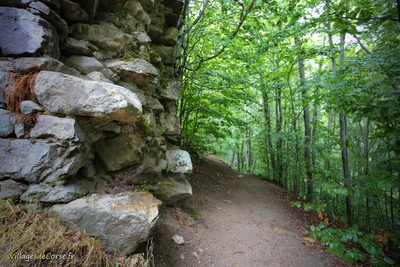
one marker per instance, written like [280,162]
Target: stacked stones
[105,98]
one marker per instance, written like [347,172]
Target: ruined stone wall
[88,95]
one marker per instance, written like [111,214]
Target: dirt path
[241,221]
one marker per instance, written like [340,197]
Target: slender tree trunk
[366,168]
[242,163]
[391,209]
[278,115]
[267,116]
[307,124]
[248,151]
[239,159]
[346,166]
[232,160]
[253,165]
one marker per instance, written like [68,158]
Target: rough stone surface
[169,124]
[73,12]
[147,4]
[122,221]
[65,94]
[11,189]
[120,152]
[169,36]
[55,194]
[141,38]
[98,76]
[5,65]
[34,35]
[139,71]
[39,8]
[172,91]
[173,188]
[60,128]
[81,47]
[19,130]
[30,107]
[136,10]
[39,161]
[6,123]
[155,104]
[84,64]
[179,161]
[30,64]
[167,53]
[104,35]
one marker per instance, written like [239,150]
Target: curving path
[244,221]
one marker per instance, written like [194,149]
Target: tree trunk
[248,151]
[346,166]
[253,165]
[268,138]
[366,167]
[279,119]
[307,124]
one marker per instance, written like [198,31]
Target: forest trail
[245,221]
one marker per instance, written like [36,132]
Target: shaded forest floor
[236,220]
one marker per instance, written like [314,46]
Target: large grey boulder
[6,123]
[11,189]
[31,64]
[173,188]
[60,128]
[120,152]
[122,221]
[65,94]
[104,35]
[40,161]
[84,64]
[23,33]
[39,8]
[57,193]
[179,161]
[139,71]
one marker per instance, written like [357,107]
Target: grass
[41,238]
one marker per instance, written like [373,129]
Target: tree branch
[243,16]
[388,73]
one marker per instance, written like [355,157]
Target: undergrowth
[352,244]
[32,239]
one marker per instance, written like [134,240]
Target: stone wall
[88,101]
[88,95]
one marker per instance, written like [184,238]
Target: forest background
[306,94]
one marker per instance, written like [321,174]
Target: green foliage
[350,244]
[147,187]
[247,104]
